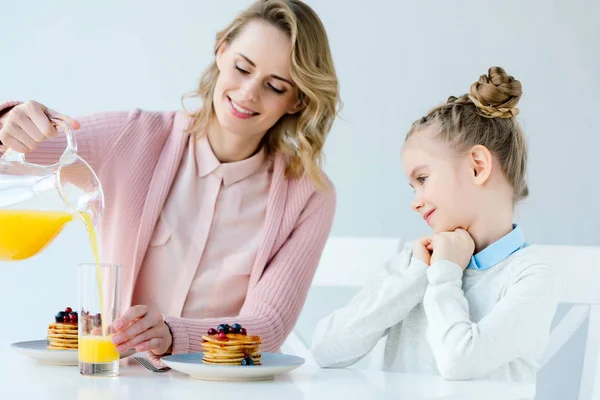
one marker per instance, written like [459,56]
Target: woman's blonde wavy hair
[300,136]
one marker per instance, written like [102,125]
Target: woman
[219,216]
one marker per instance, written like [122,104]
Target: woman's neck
[229,147]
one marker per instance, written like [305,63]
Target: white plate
[37,350]
[272,364]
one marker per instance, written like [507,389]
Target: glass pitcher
[36,201]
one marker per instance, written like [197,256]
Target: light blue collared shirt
[499,250]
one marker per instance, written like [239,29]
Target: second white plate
[37,350]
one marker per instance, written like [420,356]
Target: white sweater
[480,324]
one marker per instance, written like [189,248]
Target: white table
[23,378]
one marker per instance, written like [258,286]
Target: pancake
[233,339]
[63,340]
[217,347]
[61,346]
[62,336]
[63,327]
[50,347]
[237,362]
[231,357]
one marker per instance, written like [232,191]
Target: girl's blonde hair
[486,116]
[300,136]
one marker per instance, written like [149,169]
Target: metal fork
[148,365]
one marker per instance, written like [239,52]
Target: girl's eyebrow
[416,169]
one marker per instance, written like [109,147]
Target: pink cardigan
[136,158]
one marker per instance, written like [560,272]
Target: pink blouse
[208,234]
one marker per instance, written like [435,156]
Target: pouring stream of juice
[25,233]
[94,243]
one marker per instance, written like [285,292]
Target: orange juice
[24,233]
[97,349]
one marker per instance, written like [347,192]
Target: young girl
[473,300]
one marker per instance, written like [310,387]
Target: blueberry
[224,329]
[247,361]
[236,328]
[59,317]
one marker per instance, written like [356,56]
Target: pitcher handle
[70,151]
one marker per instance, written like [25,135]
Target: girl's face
[442,181]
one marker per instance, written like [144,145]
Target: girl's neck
[491,226]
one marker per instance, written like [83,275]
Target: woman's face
[254,88]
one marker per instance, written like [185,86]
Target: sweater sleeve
[93,138]
[273,305]
[348,334]
[464,349]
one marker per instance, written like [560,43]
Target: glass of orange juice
[99,304]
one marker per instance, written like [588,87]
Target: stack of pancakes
[231,351]
[62,336]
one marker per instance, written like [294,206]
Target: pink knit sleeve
[273,305]
[93,138]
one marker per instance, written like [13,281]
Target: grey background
[395,60]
